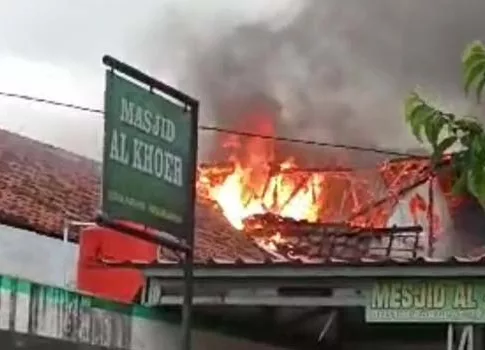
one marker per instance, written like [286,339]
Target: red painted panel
[120,284]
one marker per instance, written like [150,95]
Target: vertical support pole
[65,243]
[186,334]
[327,325]
[466,337]
[431,233]
[449,338]
[187,306]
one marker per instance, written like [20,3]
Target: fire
[257,180]
[242,194]
[255,184]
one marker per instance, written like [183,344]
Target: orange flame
[254,186]
[239,197]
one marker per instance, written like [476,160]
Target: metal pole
[186,341]
[431,233]
[327,325]
[65,240]
[450,337]
[187,306]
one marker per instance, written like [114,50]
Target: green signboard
[148,163]
[443,301]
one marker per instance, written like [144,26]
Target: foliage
[464,134]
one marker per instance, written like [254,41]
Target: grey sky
[340,68]
[53,49]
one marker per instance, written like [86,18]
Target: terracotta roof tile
[39,182]
[379,261]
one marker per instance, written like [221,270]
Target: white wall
[37,258]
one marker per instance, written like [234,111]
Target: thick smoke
[339,69]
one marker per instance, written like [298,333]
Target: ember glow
[241,195]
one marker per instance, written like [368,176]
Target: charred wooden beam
[266,225]
[387,198]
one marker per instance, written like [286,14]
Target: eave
[331,284]
[453,268]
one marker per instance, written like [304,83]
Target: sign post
[149,165]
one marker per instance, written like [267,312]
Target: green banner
[444,301]
[147,158]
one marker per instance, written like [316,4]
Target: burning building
[258,208]
[305,202]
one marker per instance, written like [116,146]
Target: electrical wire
[222,130]
[50,102]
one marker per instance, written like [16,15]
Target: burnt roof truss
[298,240]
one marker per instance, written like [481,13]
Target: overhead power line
[310,142]
[221,130]
[50,102]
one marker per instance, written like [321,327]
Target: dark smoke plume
[338,69]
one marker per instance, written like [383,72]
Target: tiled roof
[469,260]
[39,182]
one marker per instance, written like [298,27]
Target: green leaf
[466,140]
[443,146]
[473,181]
[433,128]
[473,52]
[460,184]
[471,58]
[477,146]
[412,102]
[480,86]
[469,124]
[474,46]
[419,118]
[477,150]
[474,166]
[473,72]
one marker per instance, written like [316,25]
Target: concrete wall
[33,309]
[37,258]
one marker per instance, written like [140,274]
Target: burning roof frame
[305,232]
